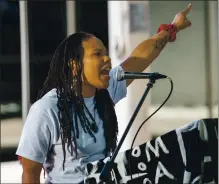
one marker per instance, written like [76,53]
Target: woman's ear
[72,66]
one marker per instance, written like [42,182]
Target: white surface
[70,17]
[25,65]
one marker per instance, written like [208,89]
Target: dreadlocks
[70,100]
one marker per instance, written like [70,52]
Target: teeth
[106,69]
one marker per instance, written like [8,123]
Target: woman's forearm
[146,52]
[149,49]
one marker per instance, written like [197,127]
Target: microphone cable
[129,159]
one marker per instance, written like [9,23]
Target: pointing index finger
[187,10]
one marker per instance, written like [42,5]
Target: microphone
[121,75]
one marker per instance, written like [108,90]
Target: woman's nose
[107,59]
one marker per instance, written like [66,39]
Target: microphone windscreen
[119,74]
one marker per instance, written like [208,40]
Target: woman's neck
[88,90]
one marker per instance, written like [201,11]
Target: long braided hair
[71,106]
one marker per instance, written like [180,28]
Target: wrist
[177,27]
[171,29]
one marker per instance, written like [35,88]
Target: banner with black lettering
[188,154]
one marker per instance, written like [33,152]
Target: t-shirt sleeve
[35,140]
[117,89]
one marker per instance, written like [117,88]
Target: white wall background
[185,60]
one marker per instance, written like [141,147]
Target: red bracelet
[171,28]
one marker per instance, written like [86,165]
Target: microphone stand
[104,175]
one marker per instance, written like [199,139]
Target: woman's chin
[103,85]
[104,81]
[104,78]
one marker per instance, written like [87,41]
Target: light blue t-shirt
[40,140]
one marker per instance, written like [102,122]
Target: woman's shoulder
[47,102]
[44,112]
[45,107]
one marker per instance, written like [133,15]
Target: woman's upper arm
[36,138]
[31,171]
[31,166]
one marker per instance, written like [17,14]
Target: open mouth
[105,72]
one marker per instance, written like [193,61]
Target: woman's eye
[97,53]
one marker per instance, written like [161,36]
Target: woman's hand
[181,20]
